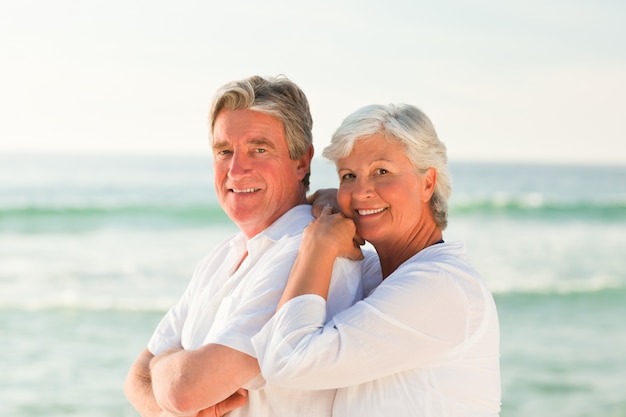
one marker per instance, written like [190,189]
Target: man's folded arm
[138,386]
[185,382]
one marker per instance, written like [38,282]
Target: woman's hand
[325,238]
[333,234]
[322,198]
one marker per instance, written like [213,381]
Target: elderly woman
[425,339]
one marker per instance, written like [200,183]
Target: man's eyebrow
[262,142]
[220,145]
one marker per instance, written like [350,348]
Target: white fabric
[227,305]
[425,342]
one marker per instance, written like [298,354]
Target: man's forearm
[138,387]
[188,381]
[167,373]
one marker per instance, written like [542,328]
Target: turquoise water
[94,249]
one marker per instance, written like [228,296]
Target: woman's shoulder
[443,266]
[371,274]
[442,258]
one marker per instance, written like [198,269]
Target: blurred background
[107,203]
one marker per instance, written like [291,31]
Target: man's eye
[223,153]
[260,150]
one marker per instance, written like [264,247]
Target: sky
[503,81]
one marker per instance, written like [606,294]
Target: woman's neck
[394,253]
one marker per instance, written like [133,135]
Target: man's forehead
[245,121]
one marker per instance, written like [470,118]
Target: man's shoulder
[232,244]
[291,223]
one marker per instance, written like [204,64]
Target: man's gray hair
[275,96]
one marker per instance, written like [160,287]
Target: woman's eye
[382,171]
[347,176]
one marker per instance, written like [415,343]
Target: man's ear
[304,162]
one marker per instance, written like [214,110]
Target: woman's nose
[363,189]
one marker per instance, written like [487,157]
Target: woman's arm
[328,237]
[412,320]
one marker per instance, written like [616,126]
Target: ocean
[95,248]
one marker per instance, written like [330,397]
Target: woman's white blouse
[425,342]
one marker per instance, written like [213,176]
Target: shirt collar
[292,222]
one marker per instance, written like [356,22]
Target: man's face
[255,180]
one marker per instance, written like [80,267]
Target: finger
[334,208]
[327,210]
[317,211]
[356,254]
[236,400]
[359,240]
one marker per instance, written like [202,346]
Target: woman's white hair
[407,125]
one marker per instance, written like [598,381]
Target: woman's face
[381,191]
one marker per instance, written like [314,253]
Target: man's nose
[239,165]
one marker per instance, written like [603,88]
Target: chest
[222,284]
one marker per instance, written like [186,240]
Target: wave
[82,218]
[538,206]
[77,218]
[162,304]
[594,284]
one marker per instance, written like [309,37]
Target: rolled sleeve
[413,325]
[168,334]
[283,340]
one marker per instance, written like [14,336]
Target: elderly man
[201,352]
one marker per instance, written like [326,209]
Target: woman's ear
[429,180]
